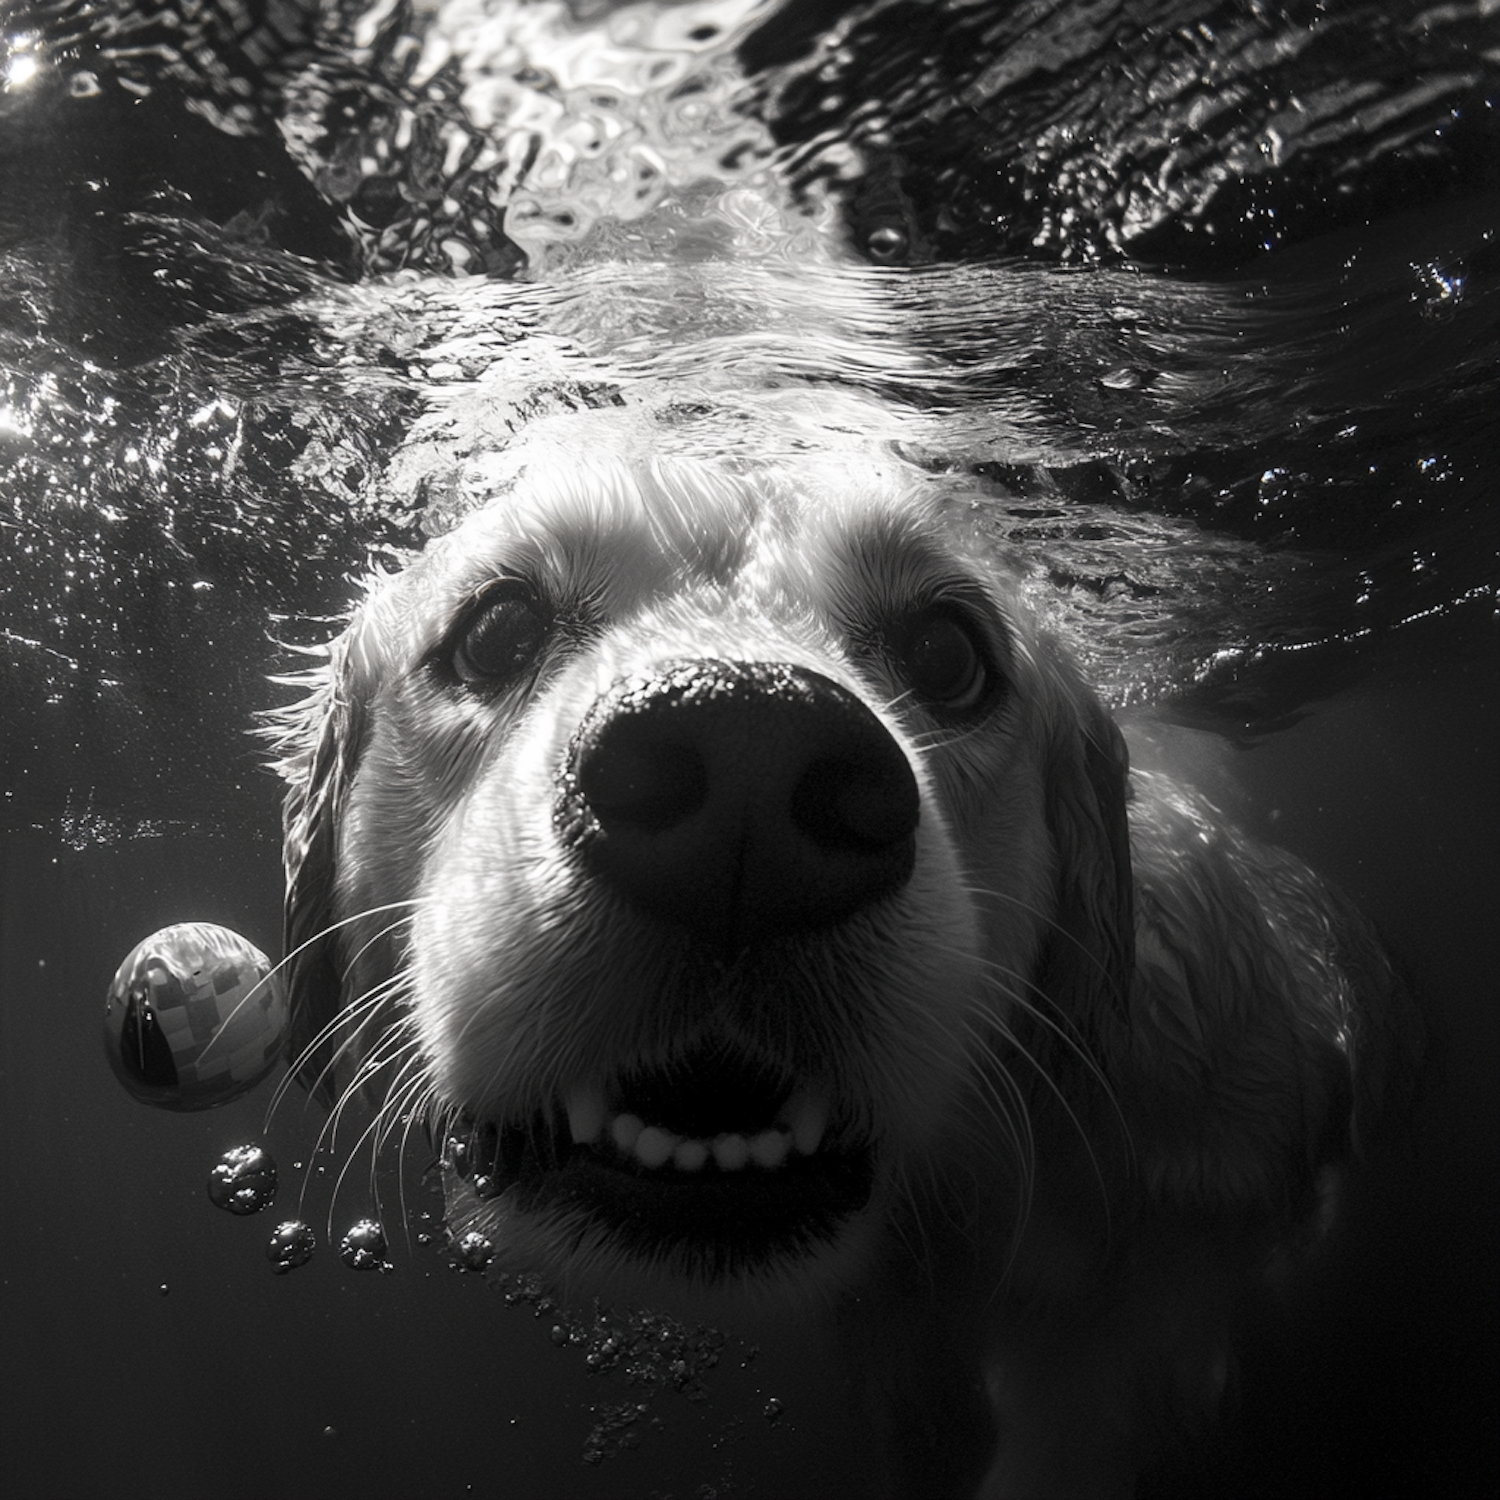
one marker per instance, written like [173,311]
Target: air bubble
[473,1252]
[291,1246]
[363,1248]
[243,1181]
[887,244]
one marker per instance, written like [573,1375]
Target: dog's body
[761,908]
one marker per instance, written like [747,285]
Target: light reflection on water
[1159,431]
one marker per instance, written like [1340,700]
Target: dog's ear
[1088,957]
[324,734]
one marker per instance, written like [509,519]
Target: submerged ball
[195,1017]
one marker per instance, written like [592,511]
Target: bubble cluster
[616,1429]
[649,1351]
[472,1251]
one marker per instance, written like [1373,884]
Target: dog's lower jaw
[599,1231]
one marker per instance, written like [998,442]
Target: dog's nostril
[630,780]
[739,798]
[865,803]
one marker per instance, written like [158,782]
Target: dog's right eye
[502,636]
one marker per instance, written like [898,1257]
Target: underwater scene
[1192,309]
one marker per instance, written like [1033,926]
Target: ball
[195,1017]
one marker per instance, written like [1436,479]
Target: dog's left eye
[503,635]
[941,657]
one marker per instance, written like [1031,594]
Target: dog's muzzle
[742,800]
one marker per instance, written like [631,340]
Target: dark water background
[1199,302]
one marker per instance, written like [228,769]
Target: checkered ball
[195,1017]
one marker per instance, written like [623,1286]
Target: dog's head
[700,849]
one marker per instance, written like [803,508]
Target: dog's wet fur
[761,911]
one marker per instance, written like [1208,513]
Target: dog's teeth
[689,1156]
[805,1114]
[653,1146]
[731,1152]
[625,1130]
[585,1107]
[769,1148]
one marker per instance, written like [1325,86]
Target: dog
[761,910]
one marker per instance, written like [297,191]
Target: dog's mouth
[716,1162]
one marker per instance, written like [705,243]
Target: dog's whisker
[1001,1103]
[367,1070]
[354,1020]
[356,1015]
[338,1183]
[1080,1129]
[376,937]
[277,970]
[407,1087]
[407,1082]
[1052,926]
[378,1061]
[350,1015]
[1028,997]
[391,1043]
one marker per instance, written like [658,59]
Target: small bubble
[291,1245]
[163,1289]
[772,1411]
[887,244]
[363,1248]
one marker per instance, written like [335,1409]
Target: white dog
[760,907]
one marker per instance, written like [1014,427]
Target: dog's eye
[503,635]
[944,662]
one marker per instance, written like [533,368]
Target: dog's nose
[742,799]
